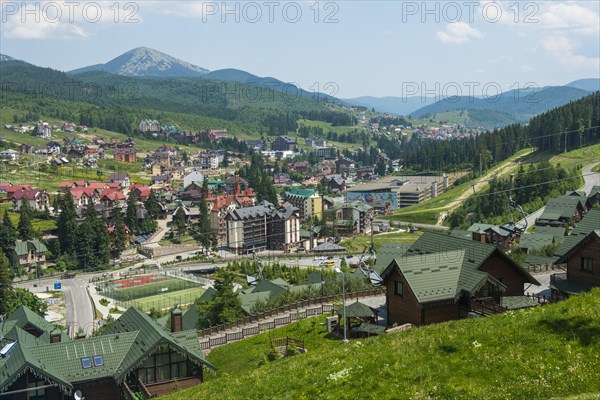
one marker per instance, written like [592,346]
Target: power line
[527,140]
[533,185]
[541,169]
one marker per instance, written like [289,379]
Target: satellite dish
[78,395]
[375,279]
[251,280]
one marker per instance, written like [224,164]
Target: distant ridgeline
[118,103]
[564,128]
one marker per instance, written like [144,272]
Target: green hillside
[487,119]
[550,352]
[521,104]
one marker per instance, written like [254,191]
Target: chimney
[55,336]
[176,320]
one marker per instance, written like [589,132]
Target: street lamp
[339,271]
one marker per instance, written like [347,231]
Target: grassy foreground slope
[550,352]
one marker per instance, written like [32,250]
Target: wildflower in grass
[339,376]
[476,344]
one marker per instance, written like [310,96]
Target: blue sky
[366,48]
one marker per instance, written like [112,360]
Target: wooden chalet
[580,252]
[442,277]
[134,358]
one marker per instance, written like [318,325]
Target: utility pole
[372,235]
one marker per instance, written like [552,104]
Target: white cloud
[564,50]
[64,20]
[571,17]
[458,33]
[15,29]
[190,9]
[500,59]
[527,68]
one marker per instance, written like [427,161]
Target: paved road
[590,179]
[80,313]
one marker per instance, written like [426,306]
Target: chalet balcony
[486,306]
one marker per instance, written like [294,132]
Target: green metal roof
[65,358]
[314,278]
[280,282]
[151,335]
[298,192]
[557,231]
[268,286]
[387,252]
[571,287]
[589,223]
[594,191]
[517,302]
[551,214]
[249,299]
[439,267]
[439,277]
[208,294]
[22,248]
[21,359]
[23,317]
[190,316]
[479,227]
[535,240]
[561,207]
[461,234]
[595,234]
[370,328]
[357,310]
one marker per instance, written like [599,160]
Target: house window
[399,288]
[586,264]
[165,365]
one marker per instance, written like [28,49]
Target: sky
[343,48]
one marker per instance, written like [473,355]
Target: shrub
[274,354]
[291,350]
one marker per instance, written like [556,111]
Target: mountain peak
[4,57]
[147,62]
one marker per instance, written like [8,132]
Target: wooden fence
[546,267]
[322,306]
[286,341]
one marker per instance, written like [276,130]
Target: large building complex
[261,227]
[308,202]
[392,192]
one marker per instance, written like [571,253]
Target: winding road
[591,179]
[80,310]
